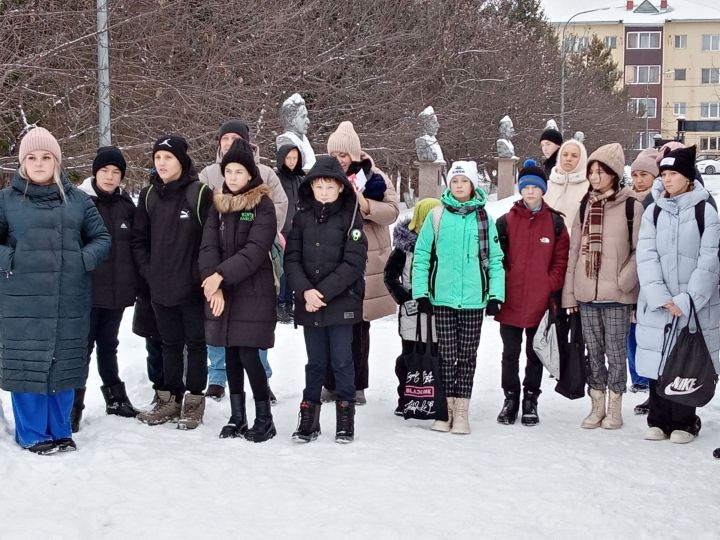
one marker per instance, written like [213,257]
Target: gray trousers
[605,330]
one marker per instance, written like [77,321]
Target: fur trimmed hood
[403,238]
[226,203]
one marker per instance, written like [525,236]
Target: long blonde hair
[57,177]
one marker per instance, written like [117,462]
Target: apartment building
[669,53]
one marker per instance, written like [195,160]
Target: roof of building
[645,12]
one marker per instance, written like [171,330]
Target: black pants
[155,363]
[669,416]
[104,328]
[241,359]
[328,347]
[401,369]
[512,345]
[360,355]
[182,326]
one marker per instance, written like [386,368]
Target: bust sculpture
[295,123]
[579,136]
[505,148]
[426,145]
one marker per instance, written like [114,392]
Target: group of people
[212,261]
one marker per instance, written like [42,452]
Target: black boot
[237,424]
[509,412]
[345,418]
[308,422]
[263,427]
[77,409]
[529,409]
[273,399]
[117,402]
[643,408]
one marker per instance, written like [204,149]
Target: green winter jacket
[457,280]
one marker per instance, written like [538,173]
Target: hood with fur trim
[403,238]
[226,203]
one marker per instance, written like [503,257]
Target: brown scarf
[593,232]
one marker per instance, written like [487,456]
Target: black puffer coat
[327,250]
[48,247]
[290,181]
[115,280]
[236,243]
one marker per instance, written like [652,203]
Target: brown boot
[443,426]
[215,391]
[193,408]
[614,419]
[165,409]
[597,413]
[461,422]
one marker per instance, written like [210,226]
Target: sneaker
[66,445]
[193,409]
[360,398]
[643,408]
[681,437]
[635,388]
[655,434]
[166,409]
[215,391]
[328,396]
[44,448]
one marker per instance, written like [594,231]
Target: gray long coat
[675,264]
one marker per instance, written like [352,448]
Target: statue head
[294,115]
[507,130]
[429,122]
[551,124]
[579,136]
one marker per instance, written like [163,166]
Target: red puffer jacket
[535,265]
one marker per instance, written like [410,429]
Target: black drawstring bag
[572,361]
[688,375]
[424,397]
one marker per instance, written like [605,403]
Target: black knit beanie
[326,167]
[177,146]
[235,126]
[552,135]
[681,160]
[109,155]
[240,152]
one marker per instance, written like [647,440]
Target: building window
[644,107]
[681,41]
[680,74]
[642,74]
[679,108]
[710,110]
[644,139]
[711,75]
[709,143]
[711,42]
[643,40]
[610,42]
[576,43]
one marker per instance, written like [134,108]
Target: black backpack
[501,227]
[193,195]
[629,215]
[699,216]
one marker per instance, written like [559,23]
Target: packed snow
[397,480]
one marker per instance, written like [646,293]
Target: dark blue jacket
[48,248]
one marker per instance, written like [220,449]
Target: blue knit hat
[532,175]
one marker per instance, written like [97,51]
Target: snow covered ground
[397,480]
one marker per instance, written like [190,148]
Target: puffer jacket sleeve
[649,270]
[96,236]
[496,270]
[559,264]
[293,266]
[352,267]
[384,212]
[393,271]
[568,295]
[6,252]
[421,260]
[210,256]
[140,242]
[628,277]
[705,278]
[256,250]
[278,196]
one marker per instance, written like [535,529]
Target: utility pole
[103,74]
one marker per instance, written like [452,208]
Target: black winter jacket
[290,181]
[115,280]
[327,250]
[166,244]
[236,243]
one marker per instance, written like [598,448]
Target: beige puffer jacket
[617,280]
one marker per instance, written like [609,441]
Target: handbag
[687,376]
[573,361]
[545,343]
[424,395]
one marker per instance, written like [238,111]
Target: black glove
[424,305]
[493,308]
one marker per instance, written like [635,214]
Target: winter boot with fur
[165,409]
[308,422]
[529,409]
[345,422]
[442,425]
[117,401]
[77,409]
[510,408]
[237,424]
[193,409]
[613,420]
[595,418]
[263,427]
[461,422]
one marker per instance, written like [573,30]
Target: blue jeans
[329,345]
[216,371]
[631,348]
[42,417]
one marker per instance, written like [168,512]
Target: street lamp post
[103,74]
[563,58]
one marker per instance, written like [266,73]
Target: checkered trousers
[605,331]
[458,333]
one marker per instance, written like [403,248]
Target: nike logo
[682,387]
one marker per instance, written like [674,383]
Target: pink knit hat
[344,139]
[646,161]
[666,148]
[39,139]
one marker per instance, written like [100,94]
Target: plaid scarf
[593,232]
[482,224]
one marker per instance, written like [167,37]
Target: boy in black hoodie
[166,240]
[325,261]
[114,281]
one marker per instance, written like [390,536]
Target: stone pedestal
[506,176]
[430,178]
